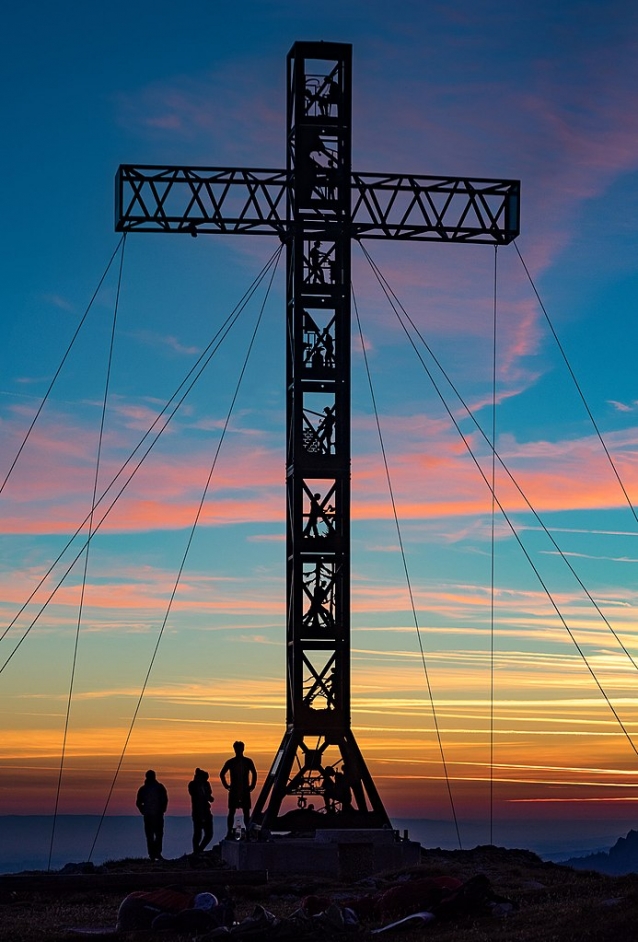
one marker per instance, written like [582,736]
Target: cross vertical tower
[317,205]
[319,134]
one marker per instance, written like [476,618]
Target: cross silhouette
[317,205]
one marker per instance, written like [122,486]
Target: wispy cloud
[623,406]
[207,110]
[433,476]
[63,304]
[165,342]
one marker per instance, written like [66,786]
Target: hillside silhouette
[620,859]
[552,902]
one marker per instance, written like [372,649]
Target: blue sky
[542,93]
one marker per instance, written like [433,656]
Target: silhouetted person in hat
[239,777]
[152,802]
[201,798]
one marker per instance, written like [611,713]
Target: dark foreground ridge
[538,900]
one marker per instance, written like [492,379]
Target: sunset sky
[542,92]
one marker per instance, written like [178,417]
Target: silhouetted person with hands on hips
[239,777]
[201,798]
[152,802]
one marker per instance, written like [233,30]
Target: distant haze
[25,839]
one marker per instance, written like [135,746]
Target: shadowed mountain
[621,858]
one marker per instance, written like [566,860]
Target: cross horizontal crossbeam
[384,206]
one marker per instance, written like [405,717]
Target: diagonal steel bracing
[384,206]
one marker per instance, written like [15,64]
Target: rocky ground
[552,903]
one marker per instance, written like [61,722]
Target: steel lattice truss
[384,206]
[317,206]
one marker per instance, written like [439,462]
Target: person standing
[152,802]
[239,777]
[201,799]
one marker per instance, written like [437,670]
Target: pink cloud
[52,492]
[568,133]
[53,483]
[209,111]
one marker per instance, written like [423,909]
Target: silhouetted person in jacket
[242,778]
[201,798]
[152,802]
